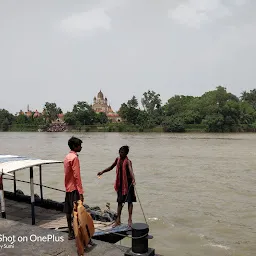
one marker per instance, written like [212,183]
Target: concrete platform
[18,238]
[52,219]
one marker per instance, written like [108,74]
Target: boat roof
[12,163]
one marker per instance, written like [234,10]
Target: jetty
[18,238]
[36,210]
[32,225]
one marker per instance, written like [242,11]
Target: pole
[14,183]
[41,187]
[32,196]
[2,196]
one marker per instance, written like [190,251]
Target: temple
[100,104]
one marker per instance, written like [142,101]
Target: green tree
[150,101]
[220,110]
[129,111]
[84,113]
[133,102]
[6,119]
[51,111]
[172,124]
[70,118]
[214,122]
[101,118]
[39,120]
[5,125]
[183,107]
[123,110]
[177,104]
[21,119]
[81,106]
[249,97]
[143,120]
[247,113]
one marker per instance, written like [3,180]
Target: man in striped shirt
[73,183]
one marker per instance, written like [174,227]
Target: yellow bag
[78,234]
[85,222]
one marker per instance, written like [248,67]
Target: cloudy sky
[65,51]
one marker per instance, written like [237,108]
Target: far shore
[123,128]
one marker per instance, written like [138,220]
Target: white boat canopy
[9,164]
[12,163]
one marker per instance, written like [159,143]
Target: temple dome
[100,95]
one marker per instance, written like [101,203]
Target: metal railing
[28,182]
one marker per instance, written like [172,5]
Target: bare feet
[130,223]
[116,224]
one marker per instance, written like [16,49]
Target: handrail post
[14,183]
[2,196]
[32,196]
[41,187]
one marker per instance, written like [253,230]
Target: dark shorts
[70,198]
[130,198]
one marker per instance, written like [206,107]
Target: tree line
[214,111]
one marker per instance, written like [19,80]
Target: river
[198,191]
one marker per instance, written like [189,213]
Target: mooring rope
[106,225]
[141,206]
[128,236]
[142,213]
[139,202]
[24,181]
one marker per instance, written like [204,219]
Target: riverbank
[113,127]
[122,127]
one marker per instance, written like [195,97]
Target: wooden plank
[61,222]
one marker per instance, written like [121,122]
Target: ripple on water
[188,184]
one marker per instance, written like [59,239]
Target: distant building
[29,113]
[61,117]
[37,114]
[100,104]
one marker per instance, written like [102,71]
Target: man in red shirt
[73,183]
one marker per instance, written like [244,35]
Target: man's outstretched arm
[109,168]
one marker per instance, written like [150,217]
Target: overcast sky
[65,51]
